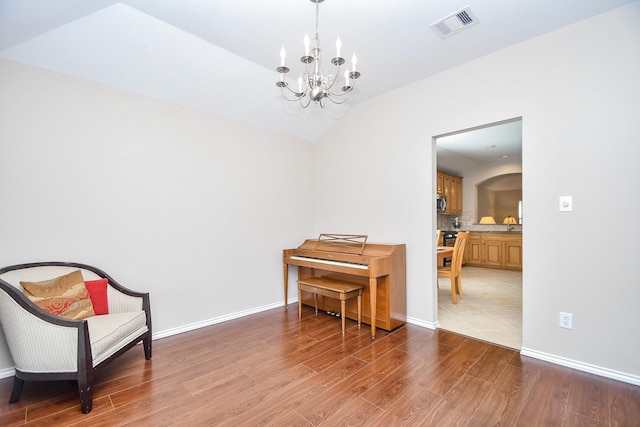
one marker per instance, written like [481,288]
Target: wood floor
[272,369]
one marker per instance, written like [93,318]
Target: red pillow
[98,294]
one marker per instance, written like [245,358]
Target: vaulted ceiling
[219,56]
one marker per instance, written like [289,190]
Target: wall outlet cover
[566,320]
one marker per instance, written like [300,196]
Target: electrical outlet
[566,320]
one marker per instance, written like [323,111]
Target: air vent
[454,23]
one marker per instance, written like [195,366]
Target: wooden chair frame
[454,272]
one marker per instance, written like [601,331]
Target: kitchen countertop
[492,228]
[495,231]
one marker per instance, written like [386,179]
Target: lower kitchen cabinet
[513,254]
[494,250]
[473,249]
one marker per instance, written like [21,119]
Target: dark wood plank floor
[272,369]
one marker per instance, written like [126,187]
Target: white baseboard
[422,323]
[581,366]
[216,320]
[6,373]
[574,364]
[231,316]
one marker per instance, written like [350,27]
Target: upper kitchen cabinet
[440,183]
[451,186]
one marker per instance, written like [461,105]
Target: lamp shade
[487,220]
[509,220]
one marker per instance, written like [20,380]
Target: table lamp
[509,220]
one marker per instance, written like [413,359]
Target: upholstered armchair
[45,346]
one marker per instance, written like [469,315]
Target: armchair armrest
[123,299]
[32,333]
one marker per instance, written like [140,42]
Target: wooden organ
[380,268]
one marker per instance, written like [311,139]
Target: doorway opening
[491,309]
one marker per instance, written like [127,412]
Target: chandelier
[313,84]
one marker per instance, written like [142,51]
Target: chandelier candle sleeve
[314,83]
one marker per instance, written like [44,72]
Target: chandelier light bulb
[354,61]
[283,54]
[338,47]
[306,44]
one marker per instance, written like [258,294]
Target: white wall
[578,92]
[193,209]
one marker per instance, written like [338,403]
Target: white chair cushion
[108,333]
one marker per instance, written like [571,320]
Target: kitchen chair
[454,271]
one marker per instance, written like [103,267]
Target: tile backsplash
[468,223]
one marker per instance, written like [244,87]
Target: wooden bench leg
[359,308]
[343,304]
[299,303]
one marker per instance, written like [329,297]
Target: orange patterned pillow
[65,296]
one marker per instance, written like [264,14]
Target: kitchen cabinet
[513,254]
[473,249]
[494,250]
[451,186]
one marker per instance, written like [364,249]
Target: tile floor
[491,309]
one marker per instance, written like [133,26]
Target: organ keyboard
[380,268]
[327,261]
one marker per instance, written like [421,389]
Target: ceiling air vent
[454,23]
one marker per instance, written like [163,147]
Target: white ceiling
[219,56]
[498,142]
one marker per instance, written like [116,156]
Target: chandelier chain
[317,25]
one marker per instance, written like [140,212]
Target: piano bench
[331,288]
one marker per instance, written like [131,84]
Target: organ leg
[286,286]
[373,300]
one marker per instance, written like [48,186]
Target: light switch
[566,204]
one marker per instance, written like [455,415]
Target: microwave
[441,202]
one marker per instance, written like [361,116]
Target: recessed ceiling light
[489,147]
[505,156]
